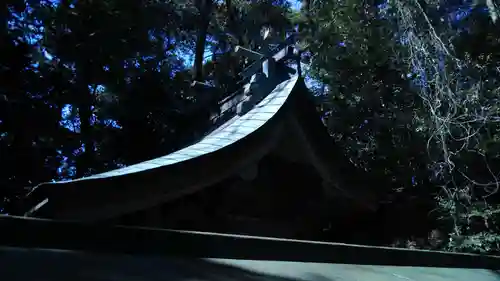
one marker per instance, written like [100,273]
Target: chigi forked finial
[269,67]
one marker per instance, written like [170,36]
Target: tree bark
[85,114]
[233,23]
[205,9]
[306,10]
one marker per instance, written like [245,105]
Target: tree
[370,106]
[204,14]
[102,42]
[460,101]
[30,135]
[412,103]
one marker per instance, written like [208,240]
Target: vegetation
[409,91]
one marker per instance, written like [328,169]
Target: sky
[295,4]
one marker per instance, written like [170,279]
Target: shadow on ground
[47,265]
[44,265]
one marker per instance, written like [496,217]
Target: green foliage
[369,102]
[461,105]
[411,99]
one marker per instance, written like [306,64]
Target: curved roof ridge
[228,133]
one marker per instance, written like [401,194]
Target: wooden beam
[248,53]
[267,53]
[327,173]
[251,69]
[269,68]
[256,67]
[283,54]
[202,85]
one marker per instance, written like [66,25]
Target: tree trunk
[233,23]
[306,6]
[205,9]
[306,10]
[85,114]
